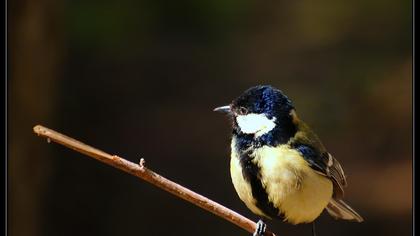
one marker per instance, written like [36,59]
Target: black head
[262,100]
[262,113]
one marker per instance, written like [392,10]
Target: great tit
[279,167]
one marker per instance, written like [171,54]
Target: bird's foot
[260,230]
[313,229]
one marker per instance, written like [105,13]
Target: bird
[279,167]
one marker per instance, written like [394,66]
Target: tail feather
[340,210]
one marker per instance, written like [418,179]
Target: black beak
[223,109]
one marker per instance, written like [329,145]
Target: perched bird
[279,167]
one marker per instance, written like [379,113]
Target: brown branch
[144,173]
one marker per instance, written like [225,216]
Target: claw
[260,230]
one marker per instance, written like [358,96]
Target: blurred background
[140,79]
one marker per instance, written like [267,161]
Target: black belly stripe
[251,173]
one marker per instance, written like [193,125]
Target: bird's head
[259,110]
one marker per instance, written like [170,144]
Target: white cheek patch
[257,124]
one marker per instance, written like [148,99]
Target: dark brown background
[140,79]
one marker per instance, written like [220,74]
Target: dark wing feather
[337,173]
[314,152]
[308,144]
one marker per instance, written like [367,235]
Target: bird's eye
[243,111]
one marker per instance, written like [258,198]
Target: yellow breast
[291,185]
[242,187]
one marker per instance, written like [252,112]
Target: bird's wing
[308,144]
[324,164]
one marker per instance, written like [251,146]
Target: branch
[144,173]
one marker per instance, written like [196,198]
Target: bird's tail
[340,210]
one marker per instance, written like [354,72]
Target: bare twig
[144,173]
